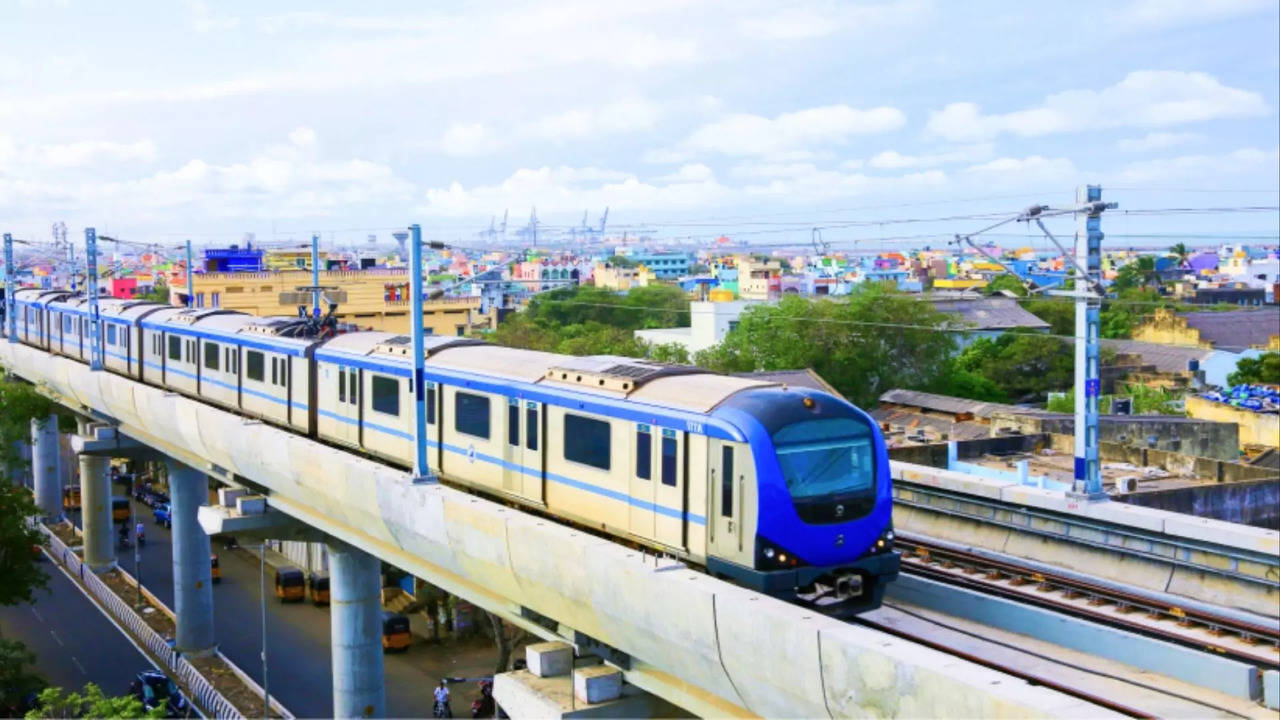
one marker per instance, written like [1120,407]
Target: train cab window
[111,334]
[513,422]
[254,367]
[175,347]
[531,426]
[471,414]
[431,403]
[386,394]
[211,356]
[669,458]
[587,441]
[644,453]
[726,481]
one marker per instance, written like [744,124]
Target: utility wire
[955,328]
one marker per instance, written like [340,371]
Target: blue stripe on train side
[516,467]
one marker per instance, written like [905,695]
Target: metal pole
[10,318]
[421,471]
[71,263]
[191,279]
[262,580]
[91,287]
[315,275]
[137,551]
[1088,480]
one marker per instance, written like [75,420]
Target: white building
[710,322]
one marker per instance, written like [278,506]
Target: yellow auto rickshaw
[216,572]
[290,584]
[319,584]
[395,632]
[120,509]
[71,497]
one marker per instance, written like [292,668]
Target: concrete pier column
[355,595]
[44,466]
[95,513]
[192,574]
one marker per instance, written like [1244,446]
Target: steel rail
[1001,578]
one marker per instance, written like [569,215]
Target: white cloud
[814,20]
[794,132]
[1149,14]
[35,159]
[893,160]
[204,20]
[693,186]
[1144,98]
[1245,162]
[1155,141]
[303,137]
[285,180]
[623,116]
[1029,174]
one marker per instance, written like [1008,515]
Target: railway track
[1254,643]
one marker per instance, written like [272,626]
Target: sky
[157,121]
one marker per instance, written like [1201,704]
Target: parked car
[155,690]
[163,515]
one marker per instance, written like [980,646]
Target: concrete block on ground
[251,504]
[522,694]
[227,496]
[1271,689]
[549,659]
[597,684]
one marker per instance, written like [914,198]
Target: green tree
[674,353]
[875,340]
[20,574]
[159,292]
[1059,313]
[18,678]
[1007,281]
[587,320]
[1025,366]
[1181,252]
[1139,272]
[1262,370]
[621,261]
[54,702]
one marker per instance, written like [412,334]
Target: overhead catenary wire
[956,328]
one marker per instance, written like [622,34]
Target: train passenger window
[254,366]
[175,347]
[111,334]
[275,371]
[644,453]
[471,414]
[431,403]
[726,481]
[513,422]
[66,324]
[353,386]
[669,458]
[211,356]
[342,385]
[386,394]
[587,441]
[531,426]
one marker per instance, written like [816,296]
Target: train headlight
[889,536]
[782,558]
[768,552]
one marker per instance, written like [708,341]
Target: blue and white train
[784,490]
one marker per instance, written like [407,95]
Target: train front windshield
[827,458]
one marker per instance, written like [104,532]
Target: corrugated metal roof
[1166,358]
[991,313]
[1236,329]
[946,403]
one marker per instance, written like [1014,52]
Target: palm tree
[1181,252]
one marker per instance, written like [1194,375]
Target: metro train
[780,489]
